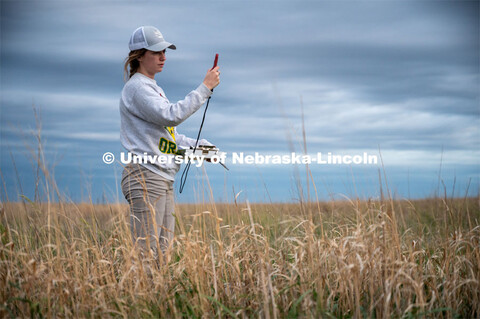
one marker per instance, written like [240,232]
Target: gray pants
[151,207]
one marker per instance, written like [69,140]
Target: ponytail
[132,62]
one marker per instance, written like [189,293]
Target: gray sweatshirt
[149,120]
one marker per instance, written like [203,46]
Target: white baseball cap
[150,38]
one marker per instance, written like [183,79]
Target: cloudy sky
[400,78]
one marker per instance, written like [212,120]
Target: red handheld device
[216,61]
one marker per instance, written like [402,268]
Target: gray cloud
[399,75]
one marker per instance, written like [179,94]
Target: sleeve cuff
[204,90]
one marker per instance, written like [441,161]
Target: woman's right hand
[212,79]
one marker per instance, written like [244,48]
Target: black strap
[183,179]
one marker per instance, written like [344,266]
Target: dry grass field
[347,259]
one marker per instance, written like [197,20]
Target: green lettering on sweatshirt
[167,147]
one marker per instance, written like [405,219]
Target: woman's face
[151,63]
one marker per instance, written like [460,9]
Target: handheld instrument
[193,151]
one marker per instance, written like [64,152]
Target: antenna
[183,178]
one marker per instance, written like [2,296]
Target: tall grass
[374,258]
[227,260]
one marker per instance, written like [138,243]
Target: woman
[148,126]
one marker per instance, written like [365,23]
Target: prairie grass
[380,259]
[372,259]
